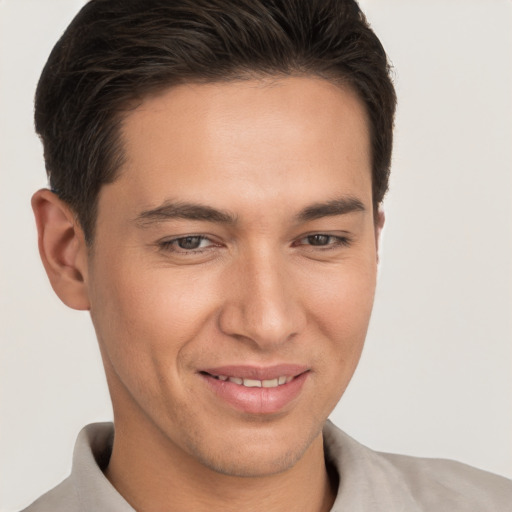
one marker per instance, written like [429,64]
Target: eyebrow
[340,206]
[187,211]
[194,211]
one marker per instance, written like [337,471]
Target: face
[233,270]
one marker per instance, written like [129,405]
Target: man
[217,170]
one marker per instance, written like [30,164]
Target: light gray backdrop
[436,376]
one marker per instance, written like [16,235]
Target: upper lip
[257,372]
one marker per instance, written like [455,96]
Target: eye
[324,240]
[185,244]
[318,239]
[191,242]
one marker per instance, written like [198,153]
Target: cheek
[341,308]
[146,318]
[342,300]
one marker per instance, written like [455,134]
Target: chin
[256,452]
[254,463]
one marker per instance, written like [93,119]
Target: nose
[261,303]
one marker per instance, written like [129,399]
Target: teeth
[251,383]
[255,383]
[272,383]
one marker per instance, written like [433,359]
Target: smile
[257,390]
[255,383]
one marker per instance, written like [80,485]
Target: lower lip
[257,400]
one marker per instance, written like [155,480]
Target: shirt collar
[367,480]
[90,457]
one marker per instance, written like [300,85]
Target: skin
[260,291]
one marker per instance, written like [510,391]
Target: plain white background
[435,378]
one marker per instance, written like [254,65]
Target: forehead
[254,138]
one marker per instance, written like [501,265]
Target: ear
[62,248]
[379,225]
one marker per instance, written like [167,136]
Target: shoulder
[86,488]
[371,479]
[59,499]
[437,483]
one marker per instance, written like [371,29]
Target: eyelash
[339,241]
[172,245]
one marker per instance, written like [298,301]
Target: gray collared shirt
[369,481]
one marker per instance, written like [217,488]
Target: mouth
[253,383]
[257,390]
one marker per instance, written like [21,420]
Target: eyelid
[340,240]
[168,244]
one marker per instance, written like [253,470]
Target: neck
[153,474]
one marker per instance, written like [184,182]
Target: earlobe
[379,225]
[62,249]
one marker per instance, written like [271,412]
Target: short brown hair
[116,51]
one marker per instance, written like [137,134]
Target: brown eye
[318,239]
[192,244]
[323,241]
[189,242]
